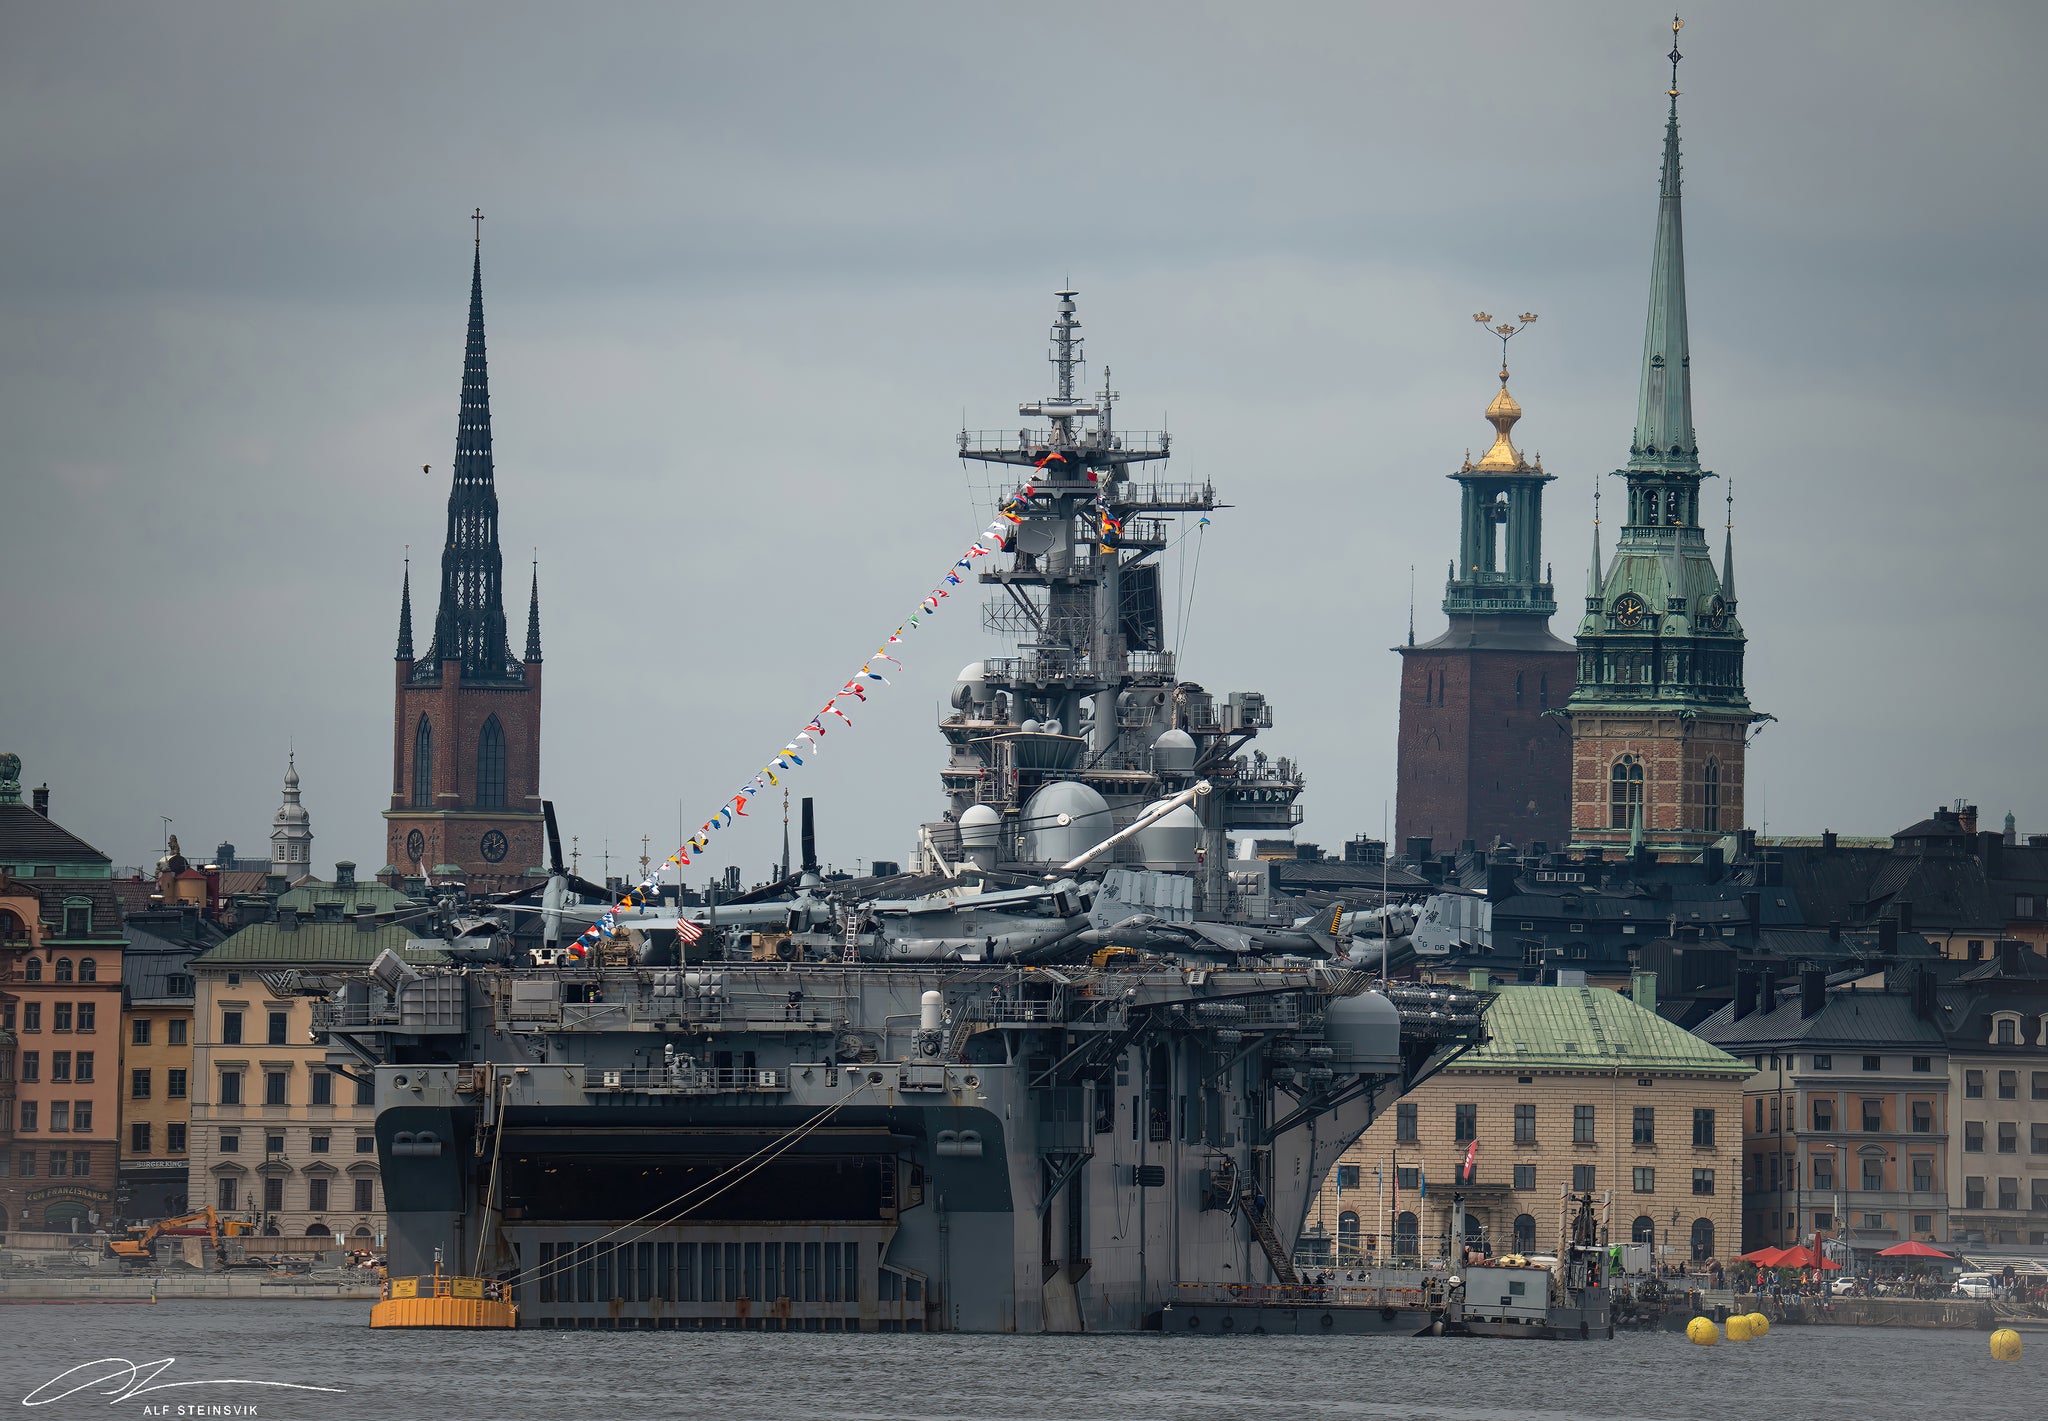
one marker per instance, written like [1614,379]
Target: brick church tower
[1660,721]
[465,758]
[1481,755]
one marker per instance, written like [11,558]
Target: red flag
[1471,1161]
[687,931]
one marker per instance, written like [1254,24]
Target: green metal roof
[1587,1029]
[312,945]
[364,895]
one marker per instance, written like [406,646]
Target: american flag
[687,931]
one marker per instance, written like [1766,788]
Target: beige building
[1576,1088]
[1995,1019]
[277,1136]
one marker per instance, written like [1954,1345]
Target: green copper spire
[1596,580]
[1728,551]
[1664,435]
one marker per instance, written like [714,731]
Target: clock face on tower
[415,846]
[1629,610]
[494,846]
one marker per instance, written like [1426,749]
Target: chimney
[1642,989]
[1828,841]
[288,920]
[39,798]
[1923,994]
[1753,909]
[1594,853]
[1813,992]
[1745,840]
[1835,934]
[1418,848]
[367,923]
[1500,881]
[1906,916]
[1469,846]
[344,874]
[1745,995]
[1887,937]
[1538,848]
[2009,956]
[1710,863]
[1991,849]
[1966,818]
[1481,979]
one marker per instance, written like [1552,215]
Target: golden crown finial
[1503,411]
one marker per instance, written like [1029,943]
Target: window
[31,1065]
[423,765]
[138,1084]
[174,1138]
[60,1116]
[366,1144]
[1702,1238]
[1923,1174]
[490,766]
[366,1091]
[316,1194]
[63,969]
[138,1137]
[1525,1233]
[77,919]
[1710,797]
[230,1088]
[1973,1084]
[1873,1221]
[174,1082]
[1703,1129]
[1645,1125]
[2040,1203]
[2008,1085]
[230,1143]
[2037,1141]
[1873,1116]
[1973,1137]
[1923,1223]
[1467,1124]
[1583,1178]
[1408,1177]
[224,1191]
[278,1025]
[273,1144]
[1645,1179]
[1404,1123]
[1703,1181]
[1873,1063]
[176,1025]
[1823,1168]
[81,1116]
[1525,1176]
[60,1066]
[273,1192]
[274,1087]
[60,1016]
[1759,1104]
[1774,1115]
[2008,1031]
[1923,1064]
[1823,1114]
[2008,1137]
[1582,1124]
[138,1034]
[1823,1062]
[2040,1084]
[322,1082]
[1525,1124]
[60,1163]
[2008,1193]
[1873,1172]
[320,1142]
[230,1028]
[1973,1192]
[28,1117]
[32,969]
[88,1017]
[88,970]
[1923,1117]
[31,1014]
[84,1067]
[1625,793]
[366,1201]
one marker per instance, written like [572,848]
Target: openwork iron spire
[1664,433]
[470,626]
[533,618]
[405,615]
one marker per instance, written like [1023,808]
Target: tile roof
[1852,1018]
[1587,1028]
[313,944]
[30,838]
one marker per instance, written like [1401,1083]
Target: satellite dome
[1173,753]
[1173,838]
[980,827]
[1088,821]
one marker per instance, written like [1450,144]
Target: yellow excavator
[139,1245]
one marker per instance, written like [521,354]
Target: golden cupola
[1502,414]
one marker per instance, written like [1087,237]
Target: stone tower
[1481,758]
[1660,721]
[465,760]
[291,831]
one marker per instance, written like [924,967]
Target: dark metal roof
[1851,1018]
[30,839]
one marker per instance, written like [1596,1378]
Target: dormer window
[2005,1029]
[77,920]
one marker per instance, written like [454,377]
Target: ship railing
[1018,1009]
[445,1285]
[683,1080]
[595,1016]
[1403,1294]
[352,1016]
[1037,441]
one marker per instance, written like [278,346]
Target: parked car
[1840,1286]
[1974,1285]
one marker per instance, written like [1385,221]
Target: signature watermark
[118,1380]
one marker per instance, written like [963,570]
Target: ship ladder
[1262,1229]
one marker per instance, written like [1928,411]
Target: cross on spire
[478,216]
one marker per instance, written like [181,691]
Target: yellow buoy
[1738,1327]
[1701,1332]
[2005,1345]
[1758,1324]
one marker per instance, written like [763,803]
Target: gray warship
[1073,1064]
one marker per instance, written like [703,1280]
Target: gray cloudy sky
[746,268]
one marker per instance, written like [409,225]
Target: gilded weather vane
[1506,331]
[1676,25]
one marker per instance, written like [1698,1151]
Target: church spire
[405,614]
[533,617]
[470,625]
[1728,551]
[1664,433]
[1596,580]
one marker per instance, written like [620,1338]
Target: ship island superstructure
[1060,1070]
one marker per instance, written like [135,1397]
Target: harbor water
[450,1376]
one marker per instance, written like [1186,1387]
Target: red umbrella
[1798,1256]
[1763,1257]
[1912,1248]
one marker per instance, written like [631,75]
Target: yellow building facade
[1577,1089]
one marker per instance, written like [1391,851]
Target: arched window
[1625,793]
[1407,1235]
[32,969]
[11,929]
[1643,1230]
[1475,1233]
[63,969]
[1702,1240]
[88,970]
[423,765]
[1710,797]
[1347,1234]
[1525,1233]
[1518,688]
[490,766]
